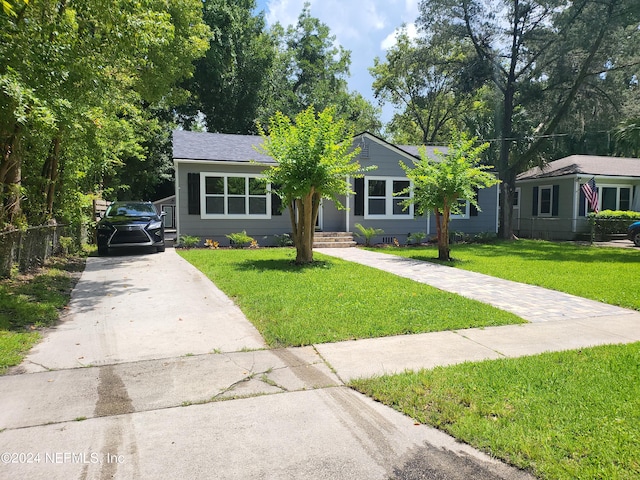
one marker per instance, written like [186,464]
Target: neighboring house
[217,192]
[167,206]
[550,203]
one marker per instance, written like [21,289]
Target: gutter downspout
[177,191]
[348,207]
[576,201]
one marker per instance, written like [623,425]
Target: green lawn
[569,415]
[333,300]
[609,275]
[28,302]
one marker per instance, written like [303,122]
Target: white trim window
[545,201]
[380,201]
[464,207]
[615,197]
[234,196]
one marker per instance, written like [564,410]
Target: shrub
[67,245]
[284,240]
[367,233]
[416,238]
[187,241]
[240,239]
[609,222]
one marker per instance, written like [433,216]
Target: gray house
[550,203]
[217,192]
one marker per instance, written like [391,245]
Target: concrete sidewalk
[129,384]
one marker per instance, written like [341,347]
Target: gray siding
[555,227]
[262,230]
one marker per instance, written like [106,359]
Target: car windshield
[131,210]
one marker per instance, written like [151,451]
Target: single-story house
[550,203]
[167,206]
[217,192]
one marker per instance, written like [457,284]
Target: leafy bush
[367,233]
[284,240]
[416,238]
[609,222]
[241,239]
[187,241]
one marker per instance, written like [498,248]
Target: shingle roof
[414,150]
[217,147]
[586,165]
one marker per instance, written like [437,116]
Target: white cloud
[365,27]
[392,38]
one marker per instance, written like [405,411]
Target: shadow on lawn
[282,265]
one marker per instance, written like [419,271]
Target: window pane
[516,198]
[609,199]
[377,206]
[545,200]
[257,205]
[462,208]
[400,185]
[625,199]
[214,185]
[256,187]
[377,188]
[398,208]
[236,206]
[236,185]
[215,205]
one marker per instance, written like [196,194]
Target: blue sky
[365,27]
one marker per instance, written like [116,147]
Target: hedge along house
[217,192]
[550,203]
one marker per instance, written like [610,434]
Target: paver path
[535,304]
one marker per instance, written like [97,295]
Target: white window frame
[540,189]
[389,198]
[617,187]
[464,216]
[225,196]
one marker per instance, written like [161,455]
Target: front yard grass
[29,302]
[562,415]
[604,274]
[333,300]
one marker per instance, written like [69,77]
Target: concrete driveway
[154,374]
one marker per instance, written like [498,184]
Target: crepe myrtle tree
[314,157]
[442,185]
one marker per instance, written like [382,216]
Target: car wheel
[636,239]
[160,249]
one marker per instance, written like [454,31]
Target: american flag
[591,193]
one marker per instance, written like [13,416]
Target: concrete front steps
[333,240]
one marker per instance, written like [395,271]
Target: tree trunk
[10,177]
[305,227]
[442,229]
[50,174]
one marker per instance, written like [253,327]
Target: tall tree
[430,85]
[229,81]
[440,185]
[315,158]
[76,81]
[311,70]
[541,56]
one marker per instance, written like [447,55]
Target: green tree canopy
[545,59]
[440,185]
[315,159]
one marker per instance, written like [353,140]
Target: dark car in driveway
[634,233]
[130,224]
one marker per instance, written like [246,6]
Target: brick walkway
[535,304]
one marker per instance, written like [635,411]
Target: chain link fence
[30,248]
